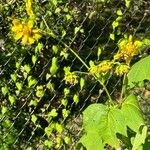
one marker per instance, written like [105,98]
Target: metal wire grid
[73,61]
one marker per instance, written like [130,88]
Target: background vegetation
[40,107]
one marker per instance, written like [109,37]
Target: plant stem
[108,95]
[123,88]
[69,48]
[82,61]
[80,72]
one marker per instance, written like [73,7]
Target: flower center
[26,30]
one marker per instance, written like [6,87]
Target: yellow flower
[29,8]
[102,68]
[127,49]
[25,31]
[122,69]
[71,78]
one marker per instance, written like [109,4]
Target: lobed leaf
[132,112]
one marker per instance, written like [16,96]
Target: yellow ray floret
[29,8]
[25,31]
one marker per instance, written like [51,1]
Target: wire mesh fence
[38,109]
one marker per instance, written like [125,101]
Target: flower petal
[31,40]
[25,39]
[18,35]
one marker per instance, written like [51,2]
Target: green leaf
[38,48]
[34,118]
[14,77]
[48,130]
[34,59]
[115,24]
[55,2]
[4,110]
[18,64]
[64,54]
[63,33]
[106,122]
[112,36]
[54,66]
[55,49]
[132,112]
[64,102]
[65,113]
[92,141]
[33,102]
[11,98]
[76,30]
[31,81]
[57,10]
[139,138]
[99,51]
[82,83]
[115,124]
[4,90]
[67,140]
[76,98]
[139,71]
[48,143]
[94,117]
[50,86]
[19,85]
[27,68]
[66,91]
[53,113]
[118,121]
[119,12]
[127,3]
[59,128]
[39,91]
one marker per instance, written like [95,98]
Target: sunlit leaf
[82,83]
[54,66]
[132,112]
[139,138]
[139,71]
[92,141]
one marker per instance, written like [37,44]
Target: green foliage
[129,107]
[54,66]
[46,82]
[105,122]
[140,138]
[92,140]
[139,71]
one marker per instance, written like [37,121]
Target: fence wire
[23,123]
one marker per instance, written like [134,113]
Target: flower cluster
[122,69]
[25,30]
[127,49]
[120,63]
[102,68]
[70,77]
